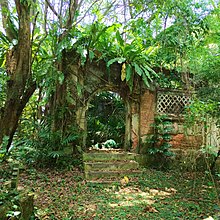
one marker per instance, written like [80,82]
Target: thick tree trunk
[20,86]
[11,115]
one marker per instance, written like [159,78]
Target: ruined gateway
[141,104]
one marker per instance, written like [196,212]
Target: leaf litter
[66,195]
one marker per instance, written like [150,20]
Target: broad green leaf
[128,72]
[130,84]
[119,38]
[128,48]
[138,69]
[144,57]
[2,62]
[147,74]
[149,50]
[145,80]
[117,59]
[13,29]
[150,70]
[95,41]
[4,38]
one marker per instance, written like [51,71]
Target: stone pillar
[127,140]
[135,125]
[82,123]
[147,113]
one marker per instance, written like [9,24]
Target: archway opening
[106,120]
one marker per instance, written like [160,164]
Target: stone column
[82,123]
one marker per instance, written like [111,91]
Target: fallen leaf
[124,181]
[150,209]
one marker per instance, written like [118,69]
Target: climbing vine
[159,141]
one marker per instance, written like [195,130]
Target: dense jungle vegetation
[146,37]
[168,44]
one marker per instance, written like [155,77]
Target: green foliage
[136,59]
[13,206]
[110,45]
[3,148]
[204,59]
[209,150]
[49,146]
[159,141]
[3,84]
[205,116]
[200,112]
[46,147]
[106,119]
[182,36]
[4,46]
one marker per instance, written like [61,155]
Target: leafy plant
[50,145]
[46,147]
[106,42]
[135,60]
[160,141]
[3,148]
[205,116]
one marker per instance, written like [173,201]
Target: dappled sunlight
[131,196]
[153,195]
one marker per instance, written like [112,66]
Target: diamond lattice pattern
[172,103]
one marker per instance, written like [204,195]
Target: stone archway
[84,81]
[82,120]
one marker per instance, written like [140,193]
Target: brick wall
[180,141]
[147,112]
[143,116]
[190,138]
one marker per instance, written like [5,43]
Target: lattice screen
[171,103]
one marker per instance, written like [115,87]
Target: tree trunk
[20,86]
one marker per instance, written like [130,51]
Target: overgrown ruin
[142,104]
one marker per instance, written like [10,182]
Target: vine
[159,141]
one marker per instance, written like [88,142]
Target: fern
[70,138]
[55,154]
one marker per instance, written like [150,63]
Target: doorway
[106,119]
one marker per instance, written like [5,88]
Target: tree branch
[86,12]
[60,13]
[34,25]
[38,47]
[53,9]
[45,17]
[6,20]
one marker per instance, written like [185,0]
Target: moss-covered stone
[105,156]
[112,166]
